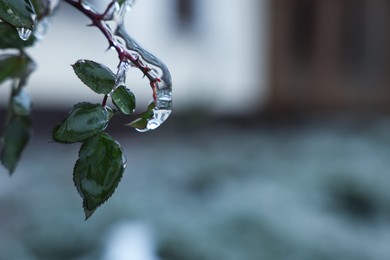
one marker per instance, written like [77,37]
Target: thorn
[145,70]
[110,46]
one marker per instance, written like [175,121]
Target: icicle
[159,73]
[163,86]
[159,116]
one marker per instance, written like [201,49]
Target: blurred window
[185,14]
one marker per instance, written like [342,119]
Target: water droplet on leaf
[24,33]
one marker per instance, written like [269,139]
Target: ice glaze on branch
[110,23]
[98,21]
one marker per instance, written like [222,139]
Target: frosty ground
[313,190]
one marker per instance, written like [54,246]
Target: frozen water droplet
[159,116]
[142,130]
[153,124]
[24,33]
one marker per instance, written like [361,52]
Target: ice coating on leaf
[24,33]
[155,70]
[159,116]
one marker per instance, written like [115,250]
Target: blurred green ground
[232,191]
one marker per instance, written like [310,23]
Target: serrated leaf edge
[88,213]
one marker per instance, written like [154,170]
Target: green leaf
[83,121]
[147,114]
[142,121]
[111,112]
[98,170]
[124,100]
[12,66]
[139,123]
[96,76]
[10,39]
[9,67]
[17,13]
[121,2]
[16,136]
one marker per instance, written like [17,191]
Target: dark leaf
[83,121]
[10,39]
[147,114]
[98,170]
[41,7]
[16,135]
[12,66]
[124,100]
[121,2]
[96,76]
[139,123]
[142,121]
[17,13]
[151,105]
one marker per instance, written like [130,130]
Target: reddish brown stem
[124,56]
[104,102]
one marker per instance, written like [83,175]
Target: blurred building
[234,57]
[330,55]
[214,49]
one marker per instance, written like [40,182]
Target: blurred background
[278,146]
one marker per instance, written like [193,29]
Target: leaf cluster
[101,161]
[18,20]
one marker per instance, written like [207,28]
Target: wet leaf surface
[83,121]
[10,38]
[98,170]
[96,76]
[124,100]
[16,136]
[17,13]
[15,66]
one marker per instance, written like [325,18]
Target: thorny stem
[123,55]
